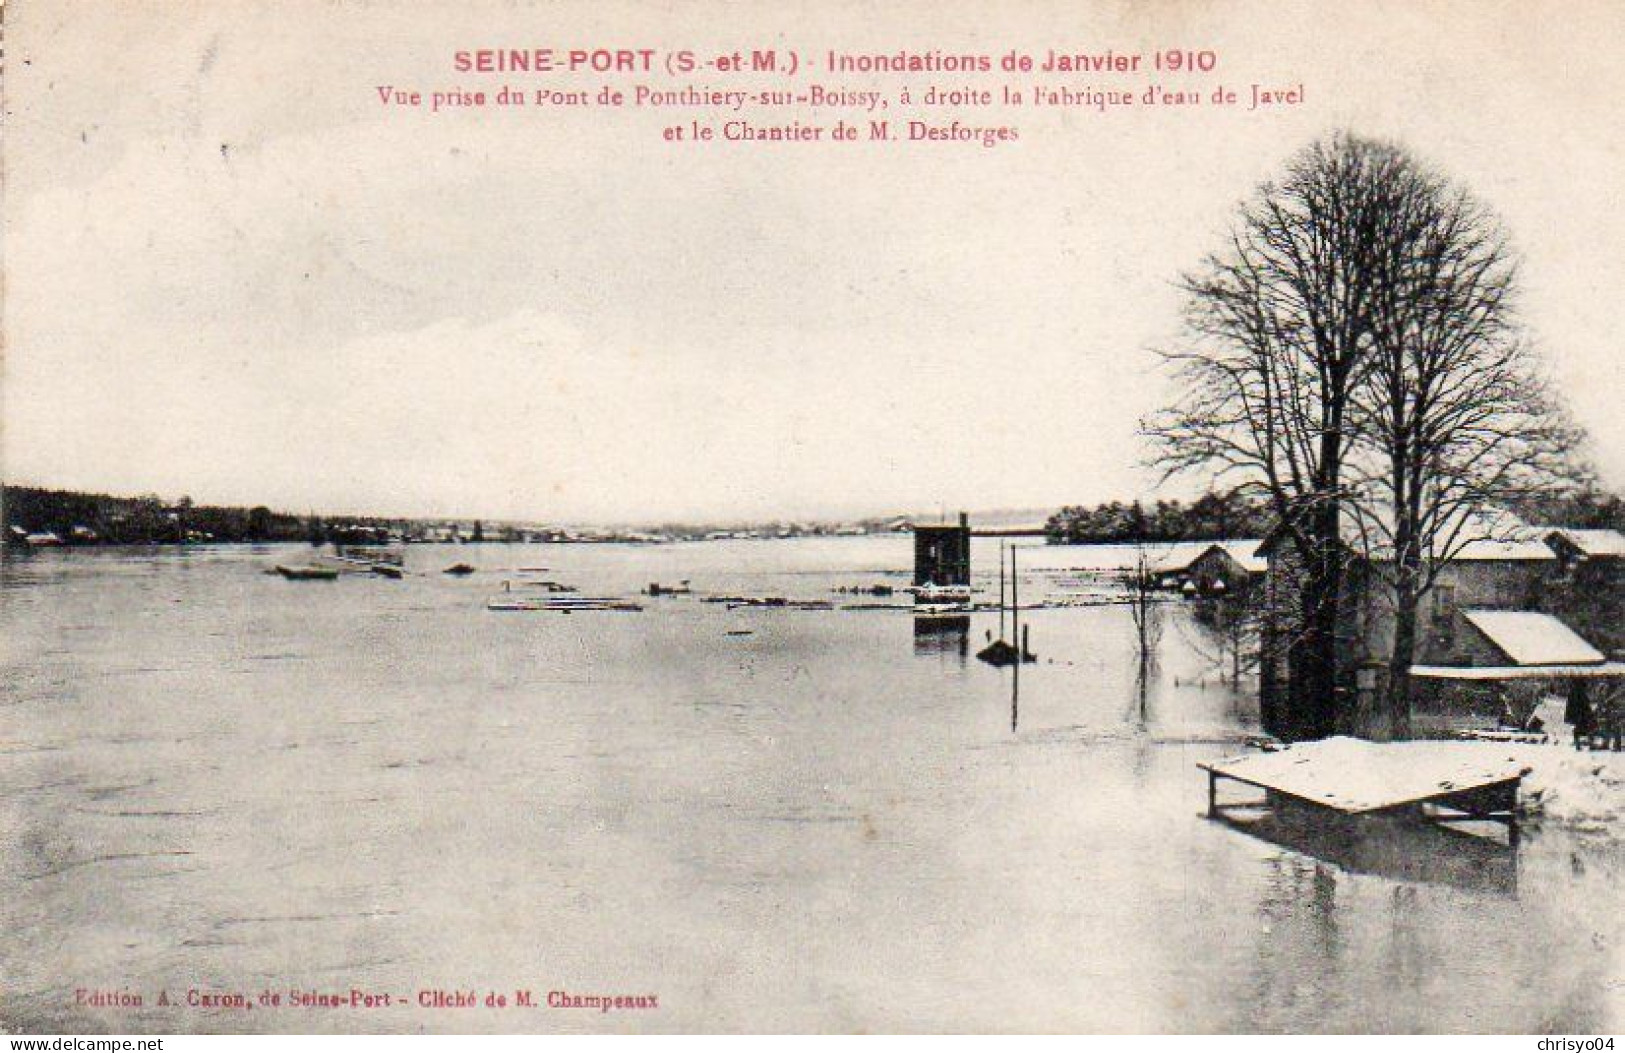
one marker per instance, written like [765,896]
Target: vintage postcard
[546,516]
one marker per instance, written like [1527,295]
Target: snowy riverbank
[1581,788]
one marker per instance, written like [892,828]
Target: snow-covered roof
[1474,535]
[1179,557]
[1531,638]
[1245,553]
[1604,671]
[1523,547]
[1602,544]
[1485,534]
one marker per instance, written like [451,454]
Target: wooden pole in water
[1015,638]
[1015,602]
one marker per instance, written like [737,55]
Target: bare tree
[1354,354]
[1279,336]
[1227,634]
[1454,416]
[1146,608]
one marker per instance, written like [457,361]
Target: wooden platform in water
[1354,777]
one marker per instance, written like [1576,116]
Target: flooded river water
[215,782]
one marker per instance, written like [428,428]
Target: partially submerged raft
[1345,777]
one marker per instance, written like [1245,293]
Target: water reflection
[1015,694]
[1299,921]
[717,814]
[1398,850]
[947,634]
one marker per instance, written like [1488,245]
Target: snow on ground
[1583,788]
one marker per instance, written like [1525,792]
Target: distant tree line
[1211,517]
[1216,517]
[101,519]
[77,518]
[1588,508]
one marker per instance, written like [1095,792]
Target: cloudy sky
[232,273]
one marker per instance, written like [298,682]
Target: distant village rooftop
[1181,555]
[1245,553]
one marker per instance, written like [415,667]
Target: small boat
[459,569]
[388,570]
[999,654]
[307,573]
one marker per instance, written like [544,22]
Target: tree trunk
[1398,702]
[1311,709]
[1321,710]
